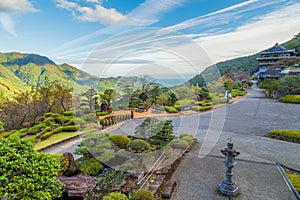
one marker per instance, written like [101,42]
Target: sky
[168,38]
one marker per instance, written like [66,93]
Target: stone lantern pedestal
[228,187]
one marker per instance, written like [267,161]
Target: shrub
[81,151]
[115,196]
[138,145]
[37,128]
[102,113]
[179,144]
[75,121]
[205,103]
[64,163]
[68,113]
[119,140]
[183,135]
[61,119]
[291,134]
[91,167]
[170,109]
[48,114]
[89,117]
[143,195]
[188,138]
[290,99]
[106,156]
[71,128]
[30,139]
[204,108]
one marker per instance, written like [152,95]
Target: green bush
[106,156]
[71,128]
[119,140]
[30,139]
[290,134]
[179,144]
[102,113]
[89,117]
[170,109]
[115,196]
[237,92]
[61,119]
[201,108]
[48,114]
[64,162]
[35,129]
[143,195]
[138,145]
[188,138]
[75,121]
[183,135]
[290,99]
[55,131]
[68,113]
[91,167]
[205,103]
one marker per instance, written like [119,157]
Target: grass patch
[56,138]
[288,135]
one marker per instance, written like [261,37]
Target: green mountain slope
[22,71]
[246,64]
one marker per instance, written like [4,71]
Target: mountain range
[19,72]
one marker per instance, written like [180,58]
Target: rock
[77,186]
[169,188]
[72,168]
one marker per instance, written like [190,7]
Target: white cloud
[19,6]
[96,13]
[278,26]
[11,8]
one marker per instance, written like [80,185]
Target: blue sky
[125,35]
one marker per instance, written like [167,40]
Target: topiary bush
[115,196]
[290,99]
[170,109]
[91,167]
[179,144]
[71,128]
[188,138]
[35,129]
[75,121]
[119,140]
[68,113]
[138,145]
[143,195]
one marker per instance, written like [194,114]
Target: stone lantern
[228,186]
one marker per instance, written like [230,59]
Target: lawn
[56,138]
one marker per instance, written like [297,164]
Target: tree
[270,86]
[108,96]
[90,99]
[289,85]
[27,174]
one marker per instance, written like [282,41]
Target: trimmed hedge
[119,140]
[201,108]
[89,117]
[188,138]
[286,134]
[36,129]
[102,113]
[179,144]
[290,99]
[143,195]
[138,145]
[295,180]
[75,121]
[91,167]
[170,109]
[115,196]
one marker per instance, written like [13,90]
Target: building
[268,60]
